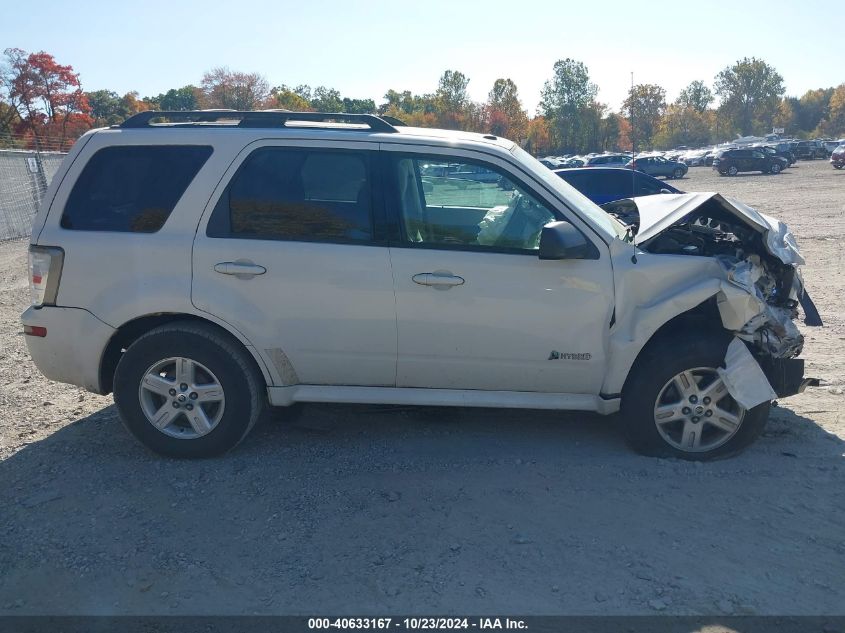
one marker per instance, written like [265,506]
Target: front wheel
[188,390]
[775,168]
[678,174]
[732,170]
[675,404]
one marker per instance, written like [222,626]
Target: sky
[364,48]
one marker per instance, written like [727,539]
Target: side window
[465,206]
[647,186]
[617,183]
[132,188]
[281,193]
[757,154]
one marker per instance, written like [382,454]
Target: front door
[291,256]
[476,307]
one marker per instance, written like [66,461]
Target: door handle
[438,279]
[240,269]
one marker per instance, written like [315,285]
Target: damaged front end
[758,258]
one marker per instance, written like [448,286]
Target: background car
[810,150]
[732,161]
[658,166]
[608,160]
[784,152]
[606,184]
[837,158]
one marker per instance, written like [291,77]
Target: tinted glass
[290,194]
[132,188]
[466,205]
[614,183]
[648,186]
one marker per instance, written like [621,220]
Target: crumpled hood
[658,213]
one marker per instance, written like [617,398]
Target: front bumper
[786,375]
[73,347]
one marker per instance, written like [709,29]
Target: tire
[732,170]
[775,168]
[678,174]
[224,386]
[648,386]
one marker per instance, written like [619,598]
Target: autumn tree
[683,125]
[647,104]
[563,99]
[452,99]
[47,97]
[539,140]
[785,115]
[505,116]
[813,106]
[750,91]
[834,124]
[296,99]
[696,96]
[223,88]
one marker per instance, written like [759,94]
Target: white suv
[206,265]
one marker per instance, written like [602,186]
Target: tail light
[45,270]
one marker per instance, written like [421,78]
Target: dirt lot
[385,510]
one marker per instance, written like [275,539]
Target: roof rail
[253,118]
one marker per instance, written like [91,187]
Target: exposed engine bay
[755,252]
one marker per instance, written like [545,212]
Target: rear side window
[295,194]
[132,188]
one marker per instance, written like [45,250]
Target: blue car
[606,184]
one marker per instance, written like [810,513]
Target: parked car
[810,150]
[658,166]
[784,150]
[693,158]
[203,266]
[606,184]
[573,162]
[608,160]
[731,162]
[773,151]
[831,146]
[837,158]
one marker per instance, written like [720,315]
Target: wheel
[732,170]
[674,403]
[838,166]
[775,168]
[188,390]
[678,174]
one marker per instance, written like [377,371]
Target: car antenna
[633,142]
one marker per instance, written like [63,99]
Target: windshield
[597,217]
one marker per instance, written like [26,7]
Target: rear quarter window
[132,188]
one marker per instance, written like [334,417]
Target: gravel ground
[385,510]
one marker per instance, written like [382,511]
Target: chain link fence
[24,178]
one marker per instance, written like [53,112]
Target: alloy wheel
[695,413]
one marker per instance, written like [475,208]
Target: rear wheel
[188,390]
[676,405]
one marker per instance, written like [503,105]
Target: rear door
[292,253]
[476,307]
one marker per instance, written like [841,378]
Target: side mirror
[561,240]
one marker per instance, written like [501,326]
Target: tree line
[42,103]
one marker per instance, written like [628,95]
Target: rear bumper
[72,349]
[786,375]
